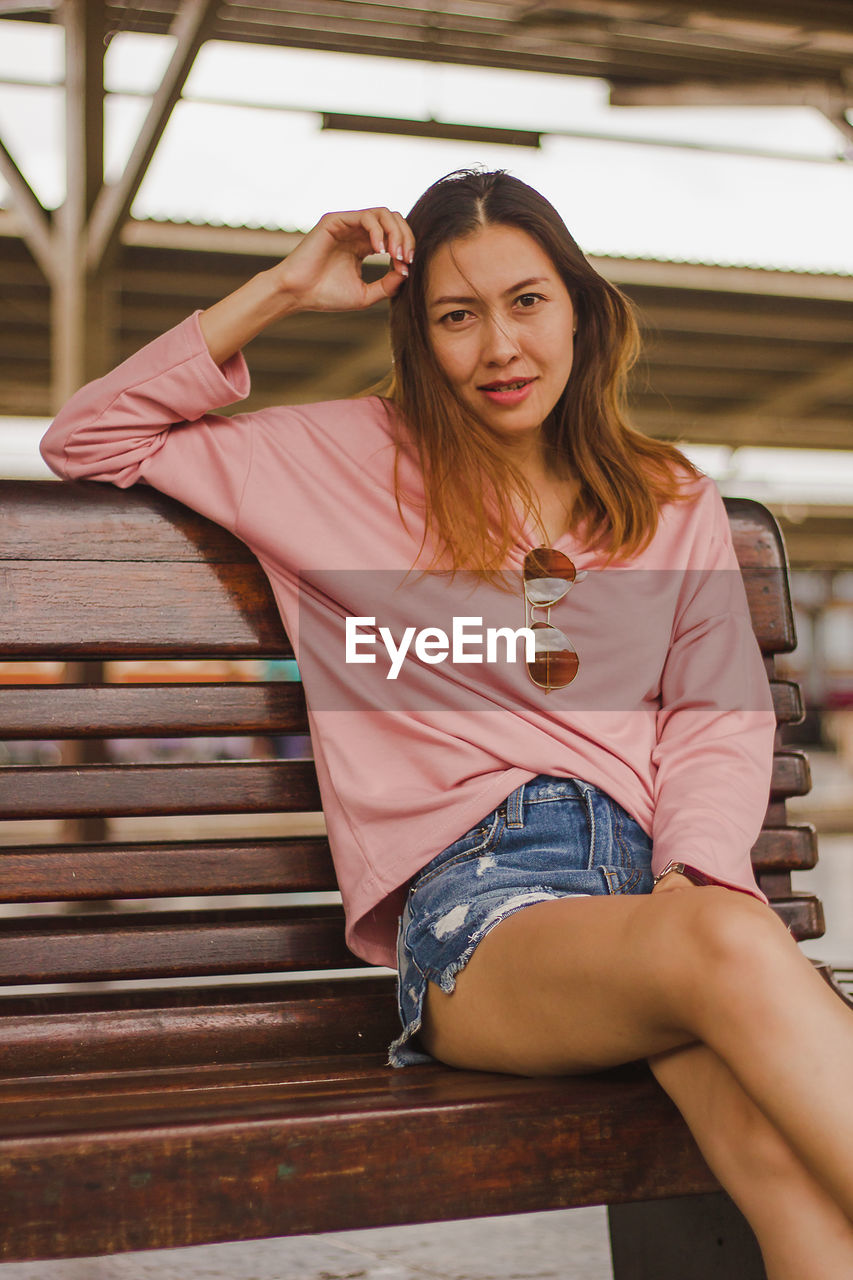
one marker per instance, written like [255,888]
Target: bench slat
[267,786]
[791,774]
[165,869]
[151,710]
[48,949]
[785,849]
[84,577]
[185,1026]
[130,790]
[803,914]
[528,1144]
[53,609]
[170,869]
[787,701]
[91,609]
[85,520]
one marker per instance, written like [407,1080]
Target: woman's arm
[153,417]
[322,274]
[716,725]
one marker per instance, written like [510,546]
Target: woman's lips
[509,392]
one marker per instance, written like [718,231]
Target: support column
[684,1238]
[82,323]
[81,327]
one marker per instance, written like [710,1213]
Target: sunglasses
[549,575]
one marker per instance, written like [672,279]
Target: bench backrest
[92,573]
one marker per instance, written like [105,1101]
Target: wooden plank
[787,701]
[90,608]
[791,776]
[180,1026]
[54,873]
[83,520]
[267,786]
[803,914]
[129,790]
[31,711]
[151,710]
[176,944]
[785,849]
[528,1144]
[165,869]
[761,556]
[82,609]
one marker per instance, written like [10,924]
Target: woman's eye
[455,317]
[528,300]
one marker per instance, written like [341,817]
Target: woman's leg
[802,1233]
[575,984]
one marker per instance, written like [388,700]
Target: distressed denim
[550,838]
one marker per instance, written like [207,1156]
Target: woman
[491,811]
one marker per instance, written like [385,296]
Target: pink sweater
[670,712]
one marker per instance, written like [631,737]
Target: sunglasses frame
[554,565]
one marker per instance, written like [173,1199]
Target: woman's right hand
[323,273]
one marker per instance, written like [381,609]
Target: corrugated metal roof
[590,250]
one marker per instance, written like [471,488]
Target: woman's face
[500,321]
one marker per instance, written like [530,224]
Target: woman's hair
[623,476]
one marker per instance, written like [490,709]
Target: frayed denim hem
[402,1053]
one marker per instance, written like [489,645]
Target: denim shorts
[550,838]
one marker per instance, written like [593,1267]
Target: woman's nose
[500,343]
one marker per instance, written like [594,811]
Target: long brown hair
[623,477]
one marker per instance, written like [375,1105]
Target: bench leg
[685,1238]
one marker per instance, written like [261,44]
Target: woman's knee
[729,942]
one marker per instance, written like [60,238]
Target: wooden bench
[174,1111]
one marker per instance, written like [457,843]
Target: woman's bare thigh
[572,984]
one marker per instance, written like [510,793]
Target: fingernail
[399,255]
[404,270]
[410,256]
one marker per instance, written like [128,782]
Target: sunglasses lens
[548,574]
[542,591]
[556,661]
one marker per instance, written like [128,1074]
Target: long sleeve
[151,419]
[715,730]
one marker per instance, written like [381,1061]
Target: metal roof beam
[843,125]
[828,97]
[191,28]
[8,8]
[347,375]
[34,219]
[703,277]
[801,395]
[739,428]
[824,95]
